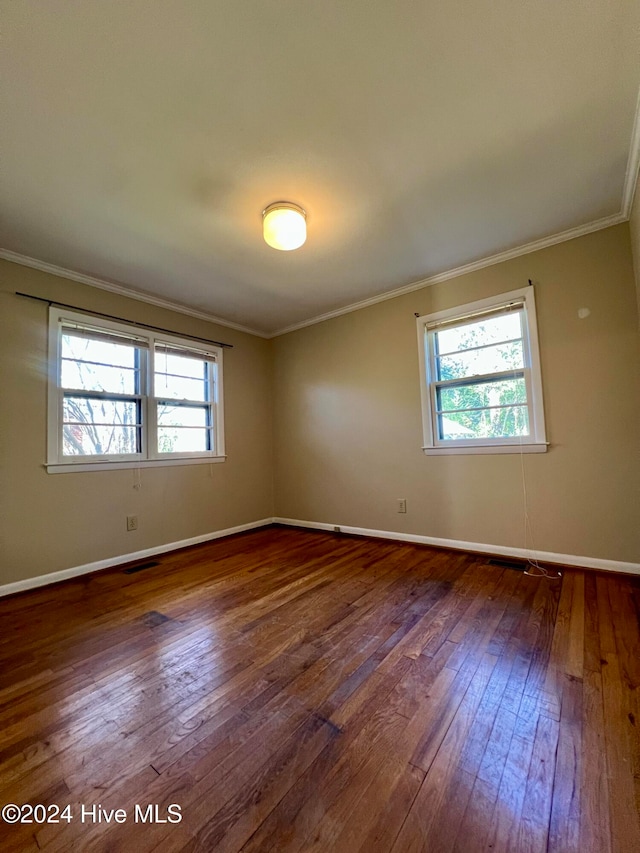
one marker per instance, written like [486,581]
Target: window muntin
[120,396]
[480,375]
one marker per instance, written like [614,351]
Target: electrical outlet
[132,522]
[402,504]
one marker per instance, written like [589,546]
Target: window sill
[485,448]
[74,467]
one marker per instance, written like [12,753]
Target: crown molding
[121,290]
[633,165]
[482,263]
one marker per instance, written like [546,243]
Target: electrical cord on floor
[541,572]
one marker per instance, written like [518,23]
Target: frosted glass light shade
[284,226]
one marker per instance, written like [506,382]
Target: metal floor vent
[518,565]
[140,567]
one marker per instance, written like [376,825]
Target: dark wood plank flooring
[300,691]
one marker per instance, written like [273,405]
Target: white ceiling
[142,139]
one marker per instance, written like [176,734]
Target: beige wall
[634,227]
[50,522]
[348,426]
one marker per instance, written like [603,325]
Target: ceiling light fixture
[284,225]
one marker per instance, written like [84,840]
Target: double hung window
[480,377]
[118,394]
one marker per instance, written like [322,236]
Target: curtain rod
[122,320]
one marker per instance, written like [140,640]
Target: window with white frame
[480,377]
[119,394]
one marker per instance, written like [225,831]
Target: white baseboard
[498,550]
[110,562]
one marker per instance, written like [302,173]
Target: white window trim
[536,442]
[57,463]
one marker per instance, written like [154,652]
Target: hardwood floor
[299,691]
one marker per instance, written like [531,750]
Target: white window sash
[81,325]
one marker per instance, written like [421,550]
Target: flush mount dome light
[284,225]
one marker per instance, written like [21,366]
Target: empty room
[320,426]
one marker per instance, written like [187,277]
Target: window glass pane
[509,422]
[185,416]
[504,327]
[92,440]
[498,393]
[179,388]
[104,352]
[180,365]
[490,360]
[183,440]
[104,388]
[95,377]
[96,411]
